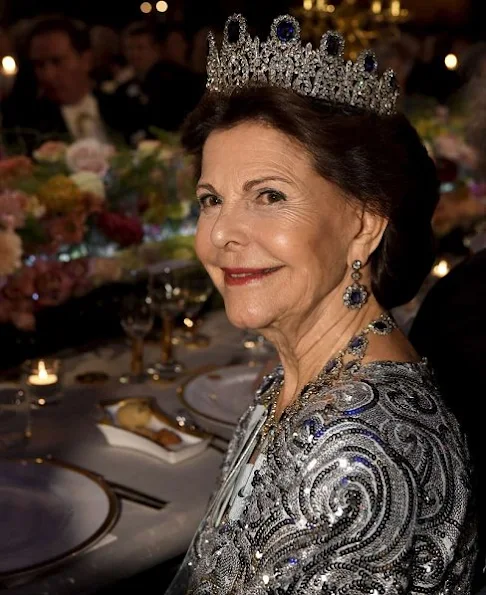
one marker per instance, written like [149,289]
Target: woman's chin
[245,319]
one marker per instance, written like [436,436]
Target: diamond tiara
[283,61]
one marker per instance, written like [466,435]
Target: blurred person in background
[67,104]
[163,85]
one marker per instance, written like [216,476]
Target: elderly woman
[347,475]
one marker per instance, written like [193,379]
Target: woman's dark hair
[378,161]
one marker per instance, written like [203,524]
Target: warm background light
[146,7]
[395,8]
[162,6]
[376,7]
[451,61]
[441,269]
[9,66]
[307,4]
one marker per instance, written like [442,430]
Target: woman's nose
[230,229]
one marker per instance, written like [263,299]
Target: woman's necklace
[344,364]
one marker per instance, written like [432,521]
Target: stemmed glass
[137,318]
[198,288]
[167,297]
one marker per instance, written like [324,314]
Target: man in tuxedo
[450,330]
[67,106]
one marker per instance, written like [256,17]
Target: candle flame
[42,370]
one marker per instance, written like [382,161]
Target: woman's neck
[304,351]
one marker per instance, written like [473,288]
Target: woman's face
[274,236]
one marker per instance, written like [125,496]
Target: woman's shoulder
[397,403]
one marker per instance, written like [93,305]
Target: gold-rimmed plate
[50,512]
[218,397]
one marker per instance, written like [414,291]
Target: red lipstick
[246,276]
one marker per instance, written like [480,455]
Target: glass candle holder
[43,380]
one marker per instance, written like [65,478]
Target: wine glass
[168,300]
[137,318]
[198,288]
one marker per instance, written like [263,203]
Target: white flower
[87,181]
[89,155]
[10,252]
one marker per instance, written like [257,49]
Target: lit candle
[43,377]
[395,8]
[376,7]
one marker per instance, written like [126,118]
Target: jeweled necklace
[335,370]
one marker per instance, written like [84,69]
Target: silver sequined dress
[365,490]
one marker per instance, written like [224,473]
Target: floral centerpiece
[73,216]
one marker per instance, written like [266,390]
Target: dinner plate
[218,398]
[49,512]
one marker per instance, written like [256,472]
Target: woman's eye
[208,200]
[272,196]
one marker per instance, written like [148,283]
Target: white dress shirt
[83,119]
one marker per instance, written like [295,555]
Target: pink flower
[89,155]
[13,205]
[14,168]
[50,152]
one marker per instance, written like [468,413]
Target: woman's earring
[356,295]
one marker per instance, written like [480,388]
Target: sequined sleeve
[373,500]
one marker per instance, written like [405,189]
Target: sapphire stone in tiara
[285,31]
[332,45]
[284,61]
[370,63]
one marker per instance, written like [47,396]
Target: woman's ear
[368,237]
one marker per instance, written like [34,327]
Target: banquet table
[142,537]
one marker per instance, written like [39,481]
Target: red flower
[122,229]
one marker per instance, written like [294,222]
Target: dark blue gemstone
[380,326]
[356,297]
[293,561]
[319,433]
[233,31]
[350,366]
[286,31]
[356,343]
[369,63]
[332,45]
[344,481]
[330,366]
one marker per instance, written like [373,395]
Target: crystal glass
[198,289]
[167,296]
[15,420]
[136,318]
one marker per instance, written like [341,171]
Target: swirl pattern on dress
[364,490]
